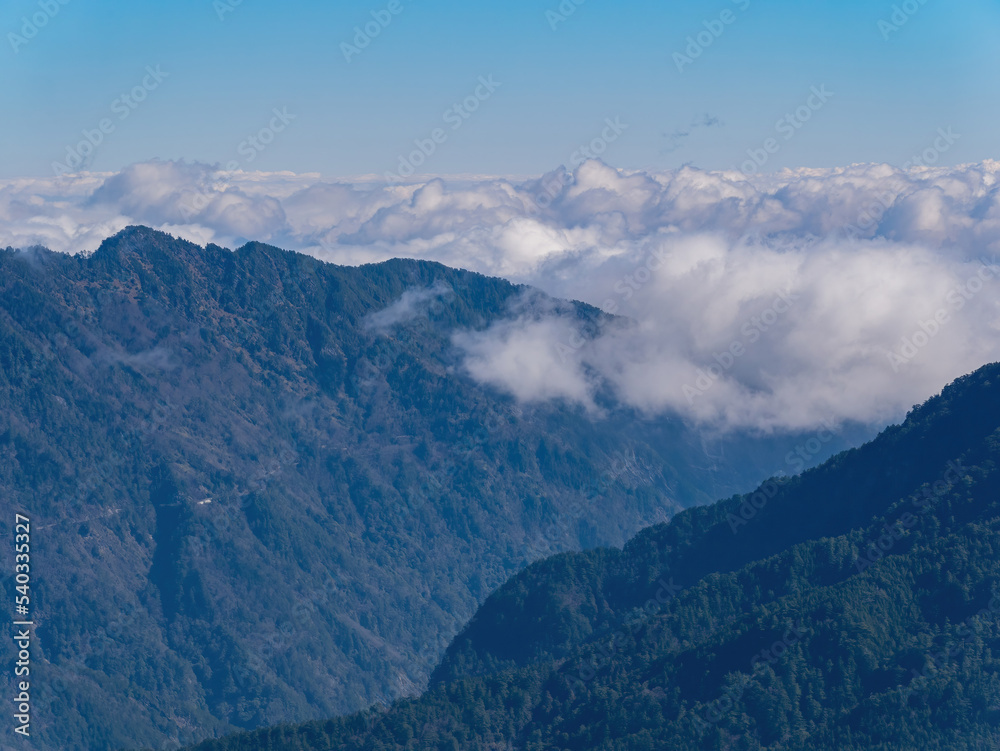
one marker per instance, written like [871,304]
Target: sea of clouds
[768,302]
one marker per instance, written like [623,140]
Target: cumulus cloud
[772,301]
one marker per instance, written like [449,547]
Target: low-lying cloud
[411,304]
[774,302]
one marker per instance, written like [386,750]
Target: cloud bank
[770,302]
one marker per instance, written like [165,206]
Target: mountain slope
[857,608]
[264,489]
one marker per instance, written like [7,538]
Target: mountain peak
[151,259]
[137,240]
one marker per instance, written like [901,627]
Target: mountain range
[264,489]
[855,606]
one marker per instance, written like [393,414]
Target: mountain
[263,488]
[855,606]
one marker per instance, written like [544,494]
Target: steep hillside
[263,488]
[856,606]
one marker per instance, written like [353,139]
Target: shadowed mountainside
[263,488]
[856,606]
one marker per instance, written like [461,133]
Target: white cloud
[410,304]
[866,253]
[523,357]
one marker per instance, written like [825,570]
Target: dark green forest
[255,501]
[855,606]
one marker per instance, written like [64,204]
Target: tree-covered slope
[264,489]
[856,606]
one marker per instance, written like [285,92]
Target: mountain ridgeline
[853,607]
[265,490]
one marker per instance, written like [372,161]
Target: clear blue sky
[606,60]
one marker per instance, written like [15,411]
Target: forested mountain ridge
[265,490]
[843,494]
[856,606]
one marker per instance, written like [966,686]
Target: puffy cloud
[523,357]
[179,194]
[748,334]
[773,301]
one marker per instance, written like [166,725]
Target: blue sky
[226,76]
